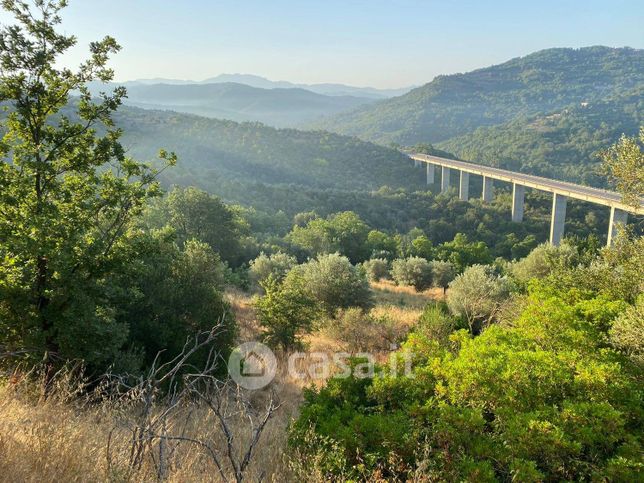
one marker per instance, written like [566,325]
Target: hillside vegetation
[283,107]
[562,144]
[454,105]
[212,150]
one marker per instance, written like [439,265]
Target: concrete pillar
[488,186]
[518,195]
[431,173]
[558,219]
[617,218]
[445,172]
[416,163]
[464,186]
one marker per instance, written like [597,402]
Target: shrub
[333,282]
[476,295]
[276,265]
[376,269]
[414,271]
[435,323]
[361,331]
[284,312]
[627,330]
[542,261]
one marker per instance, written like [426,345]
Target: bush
[542,261]
[413,271]
[476,295]
[285,312]
[361,331]
[376,269]
[276,265]
[332,281]
[435,323]
[627,331]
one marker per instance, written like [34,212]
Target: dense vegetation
[548,394]
[237,102]
[215,151]
[562,144]
[453,105]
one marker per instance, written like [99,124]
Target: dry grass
[62,440]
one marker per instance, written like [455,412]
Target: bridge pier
[431,173]
[445,172]
[617,218]
[416,163]
[464,186]
[558,219]
[488,187]
[518,196]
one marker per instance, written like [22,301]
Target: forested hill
[237,102]
[563,144]
[454,105]
[213,151]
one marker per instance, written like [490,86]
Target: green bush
[376,269]
[333,282]
[477,295]
[285,312]
[413,271]
[276,265]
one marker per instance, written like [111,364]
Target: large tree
[67,190]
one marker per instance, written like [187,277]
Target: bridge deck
[572,190]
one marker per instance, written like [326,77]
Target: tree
[376,269]
[626,332]
[193,213]
[332,281]
[413,271]
[624,164]
[276,265]
[285,312]
[541,261]
[462,253]
[477,295]
[74,191]
[442,274]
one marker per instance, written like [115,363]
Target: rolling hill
[562,144]
[455,105]
[238,102]
[214,151]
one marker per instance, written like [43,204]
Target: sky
[384,44]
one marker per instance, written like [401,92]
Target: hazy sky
[378,43]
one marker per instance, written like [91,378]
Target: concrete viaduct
[560,190]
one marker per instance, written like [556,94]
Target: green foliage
[285,312]
[543,399]
[360,331]
[413,271]
[435,323]
[624,164]
[543,260]
[196,214]
[170,294]
[627,329]
[461,253]
[276,265]
[454,105]
[477,296]
[442,273]
[342,232]
[67,194]
[376,269]
[333,282]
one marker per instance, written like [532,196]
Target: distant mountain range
[280,107]
[455,105]
[327,89]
